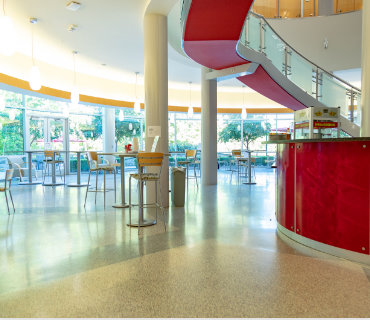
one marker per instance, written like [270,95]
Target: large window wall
[36,123]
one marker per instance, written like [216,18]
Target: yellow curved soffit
[22,84]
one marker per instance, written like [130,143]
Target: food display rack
[317,123]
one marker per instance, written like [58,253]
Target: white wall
[307,36]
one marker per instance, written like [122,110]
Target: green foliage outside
[11,132]
[251,132]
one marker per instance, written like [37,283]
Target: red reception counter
[323,194]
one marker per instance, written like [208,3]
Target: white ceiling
[109,33]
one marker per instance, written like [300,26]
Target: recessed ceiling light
[73,5]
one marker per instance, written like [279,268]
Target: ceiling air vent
[73,5]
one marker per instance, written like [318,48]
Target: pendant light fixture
[137,107]
[7,34]
[134,132]
[121,115]
[190,109]
[35,76]
[75,95]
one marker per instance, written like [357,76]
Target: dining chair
[191,159]
[7,186]
[50,160]
[154,162]
[94,166]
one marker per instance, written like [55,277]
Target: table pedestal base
[120,205]
[77,185]
[29,183]
[144,223]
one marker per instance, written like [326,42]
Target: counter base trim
[334,251]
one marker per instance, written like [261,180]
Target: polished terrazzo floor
[220,257]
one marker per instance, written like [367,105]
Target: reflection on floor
[220,257]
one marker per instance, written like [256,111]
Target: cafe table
[53,176]
[249,159]
[78,184]
[29,164]
[122,156]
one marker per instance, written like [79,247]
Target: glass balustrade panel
[253,33]
[357,109]
[301,72]
[334,94]
[274,48]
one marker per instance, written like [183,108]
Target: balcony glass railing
[328,89]
[301,8]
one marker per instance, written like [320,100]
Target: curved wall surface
[323,195]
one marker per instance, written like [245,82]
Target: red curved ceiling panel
[211,34]
[212,31]
[261,82]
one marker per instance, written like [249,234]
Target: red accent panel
[261,82]
[214,54]
[216,19]
[285,185]
[333,193]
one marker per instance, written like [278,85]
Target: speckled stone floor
[220,257]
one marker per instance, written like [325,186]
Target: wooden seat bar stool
[94,166]
[152,161]
[7,185]
[191,159]
[51,161]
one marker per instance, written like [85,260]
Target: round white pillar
[109,128]
[209,130]
[365,82]
[156,92]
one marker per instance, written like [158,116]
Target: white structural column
[365,83]
[156,91]
[209,130]
[109,132]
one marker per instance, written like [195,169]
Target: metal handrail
[298,53]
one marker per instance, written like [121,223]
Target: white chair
[92,160]
[8,178]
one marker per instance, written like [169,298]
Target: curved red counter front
[323,194]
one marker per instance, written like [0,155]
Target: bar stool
[236,156]
[191,159]
[244,164]
[8,177]
[145,161]
[48,160]
[94,166]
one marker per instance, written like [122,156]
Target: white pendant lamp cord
[74,68]
[136,86]
[4,7]
[33,59]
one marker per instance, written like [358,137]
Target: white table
[122,156]
[29,163]
[78,184]
[249,159]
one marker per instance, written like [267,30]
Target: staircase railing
[324,86]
